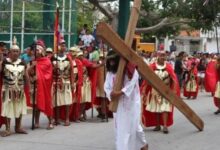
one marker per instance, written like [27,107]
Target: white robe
[128,130]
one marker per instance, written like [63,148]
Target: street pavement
[97,135]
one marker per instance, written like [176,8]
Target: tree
[169,16]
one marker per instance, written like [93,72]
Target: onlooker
[83,31]
[87,38]
[27,55]
[49,52]
[178,68]
[3,49]
[172,47]
[161,46]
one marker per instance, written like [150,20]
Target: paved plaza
[96,135]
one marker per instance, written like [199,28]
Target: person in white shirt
[87,39]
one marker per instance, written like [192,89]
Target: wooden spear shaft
[34,90]
[128,40]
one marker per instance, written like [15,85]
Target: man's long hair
[112,56]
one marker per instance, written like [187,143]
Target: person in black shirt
[178,68]
[172,47]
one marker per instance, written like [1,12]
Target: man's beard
[113,68]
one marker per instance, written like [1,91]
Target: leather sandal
[217,112]
[6,133]
[157,128]
[165,130]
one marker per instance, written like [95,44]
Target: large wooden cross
[128,40]
[123,49]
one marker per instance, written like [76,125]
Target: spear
[34,90]
[56,40]
[105,103]
[205,2]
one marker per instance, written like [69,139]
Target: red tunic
[149,118]
[210,77]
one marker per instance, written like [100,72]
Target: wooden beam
[128,40]
[109,36]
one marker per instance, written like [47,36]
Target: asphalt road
[97,135]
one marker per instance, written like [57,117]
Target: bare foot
[145,147]
[6,133]
[77,121]
[67,123]
[36,126]
[20,131]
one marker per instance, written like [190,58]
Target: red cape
[92,72]
[149,118]
[99,85]
[210,77]
[2,119]
[44,85]
[194,94]
[217,100]
[93,79]
[75,108]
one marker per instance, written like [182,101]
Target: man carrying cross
[128,130]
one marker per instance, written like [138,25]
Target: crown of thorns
[112,56]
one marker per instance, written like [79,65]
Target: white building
[196,41]
[209,41]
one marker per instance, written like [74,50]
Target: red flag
[56,30]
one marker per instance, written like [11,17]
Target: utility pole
[123,17]
[22,26]
[63,15]
[69,23]
[74,22]
[48,21]
[216,34]
[216,24]
[11,22]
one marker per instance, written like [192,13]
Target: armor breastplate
[192,76]
[14,74]
[75,70]
[163,74]
[63,68]
[13,78]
